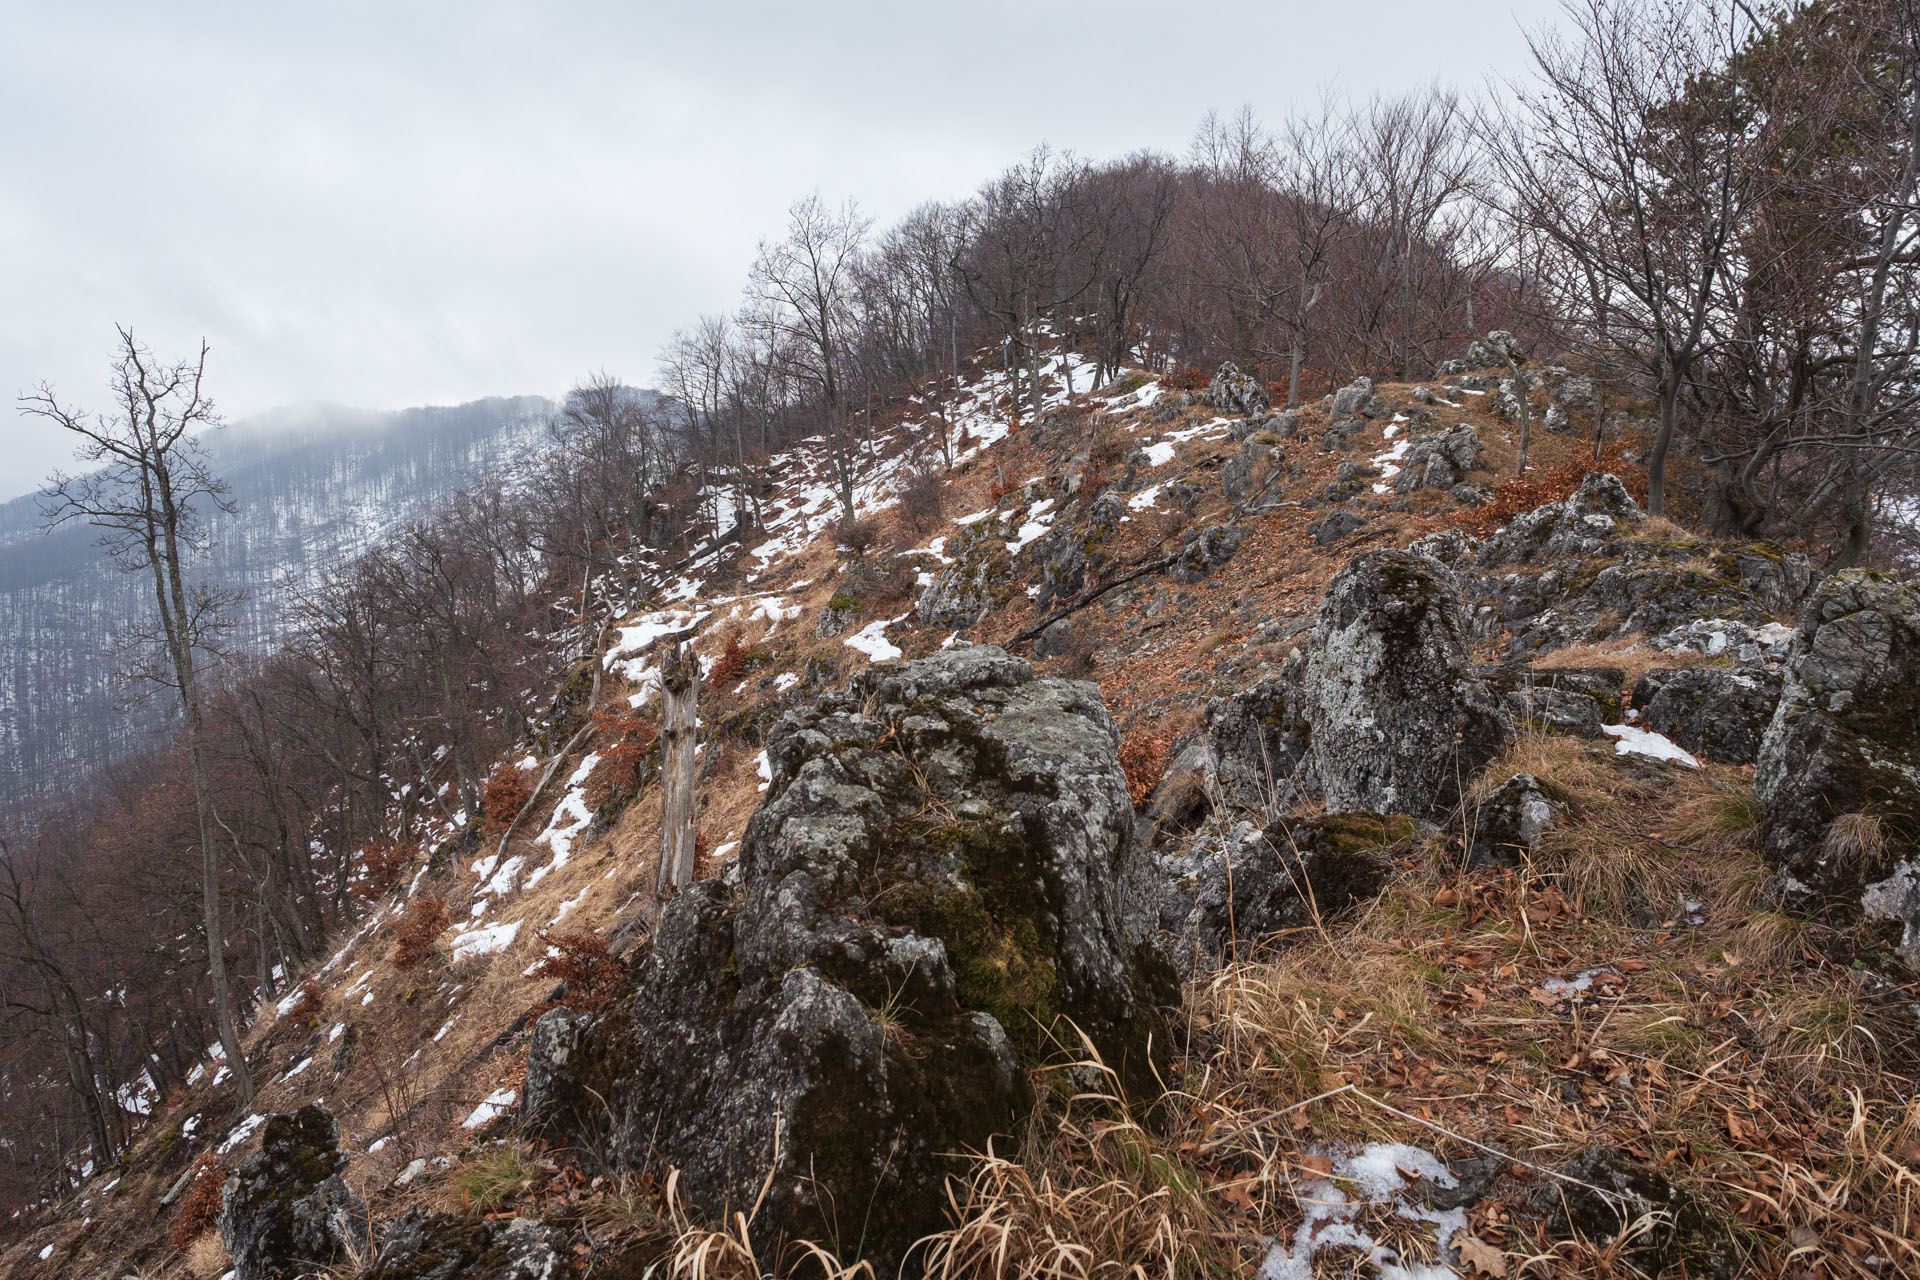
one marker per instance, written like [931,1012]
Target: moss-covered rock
[286,1209]
[1838,772]
[1399,717]
[941,884]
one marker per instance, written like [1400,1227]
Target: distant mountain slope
[313,486]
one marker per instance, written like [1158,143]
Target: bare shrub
[923,502]
[858,535]
[415,932]
[200,1205]
[504,795]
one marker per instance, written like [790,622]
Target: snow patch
[1636,741]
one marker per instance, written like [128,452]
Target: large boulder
[286,1211]
[1718,712]
[943,873]
[1399,716]
[1839,769]
[1257,742]
[1352,398]
[447,1246]
[1440,461]
[1235,392]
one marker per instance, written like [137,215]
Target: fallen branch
[1089,598]
[546,777]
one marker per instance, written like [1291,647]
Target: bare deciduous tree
[144,499]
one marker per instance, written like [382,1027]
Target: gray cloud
[392,204]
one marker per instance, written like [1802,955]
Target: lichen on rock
[943,874]
[286,1209]
[1838,773]
[1398,714]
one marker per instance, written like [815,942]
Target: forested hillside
[1343,704]
[312,489]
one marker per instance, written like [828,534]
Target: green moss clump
[1361,832]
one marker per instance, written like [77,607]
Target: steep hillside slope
[1455,849]
[312,487]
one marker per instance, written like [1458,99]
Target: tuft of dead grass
[206,1257]
[1103,1195]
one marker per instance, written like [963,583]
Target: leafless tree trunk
[142,499]
[679,713]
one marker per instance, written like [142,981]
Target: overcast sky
[389,204]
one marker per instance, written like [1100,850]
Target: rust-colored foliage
[626,738]
[503,796]
[732,660]
[200,1205]
[582,961]
[1314,383]
[1524,493]
[309,1006]
[1143,758]
[416,930]
[380,865]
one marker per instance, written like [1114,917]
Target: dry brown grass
[1763,1081]
[1104,1195]
[206,1257]
[1632,654]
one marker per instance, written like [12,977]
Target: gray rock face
[1236,477]
[1287,877]
[1232,391]
[1494,350]
[1336,526]
[1839,768]
[1718,712]
[1569,700]
[1351,399]
[447,1246]
[1258,742]
[1440,461]
[975,582]
[944,865]
[1061,561]
[1727,637]
[549,1090]
[833,622]
[285,1209]
[1398,714]
[1585,524]
[1509,823]
[1449,546]
[1204,551]
[1597,578]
